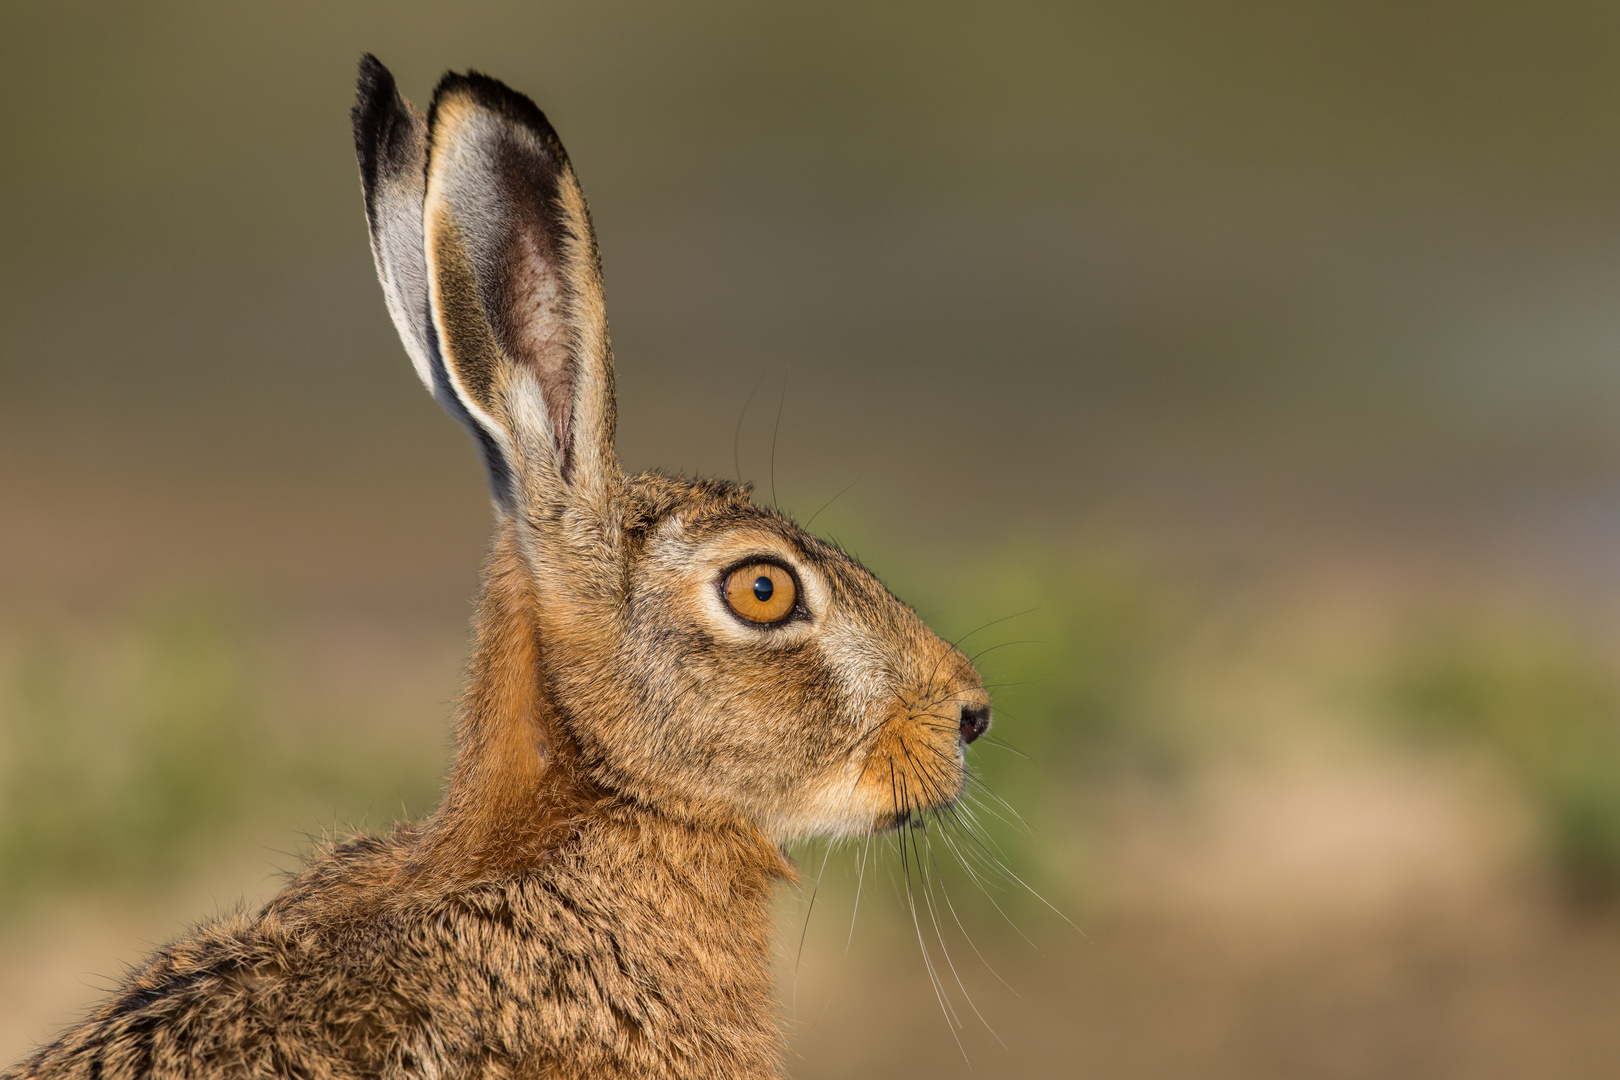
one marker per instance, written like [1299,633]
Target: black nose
[975,721]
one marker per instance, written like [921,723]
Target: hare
[668,684]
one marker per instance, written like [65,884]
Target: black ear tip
[374,79]
[373,93]
[378,110]
[497,97]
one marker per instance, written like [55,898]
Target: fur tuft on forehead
[651,497]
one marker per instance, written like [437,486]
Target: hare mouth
[897,821]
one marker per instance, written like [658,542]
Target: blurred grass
[119,774]
[134,754]
[1093,635]
[1545,704]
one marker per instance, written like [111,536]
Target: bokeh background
[1254,362]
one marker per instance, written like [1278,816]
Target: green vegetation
[124,761]
[1079,660]
[1548,709]
[118,775]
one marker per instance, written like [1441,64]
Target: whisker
[736,436]
[936,794]
[868,733]
[990,740]
[946,896]
[1011,682]
[982,626]
[971,801]
[995,867]
[952,1021]
[974,659]
[1031,890]
[860,882]
[1017,822]
[982,838]
[993,622]
[832,500]
[774,432]
[939,933]
[804,931]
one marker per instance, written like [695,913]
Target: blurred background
[1254,364]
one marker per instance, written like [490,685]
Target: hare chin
[855,802]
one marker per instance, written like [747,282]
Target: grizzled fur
[592,896]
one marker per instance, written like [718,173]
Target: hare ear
[390,139]
[515,290]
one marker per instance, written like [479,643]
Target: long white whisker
[951,1020]
[939,933]
[945,893]
[995,867]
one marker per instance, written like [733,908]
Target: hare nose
[975,721]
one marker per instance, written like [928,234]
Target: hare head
[692,653]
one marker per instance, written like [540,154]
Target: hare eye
[761,592]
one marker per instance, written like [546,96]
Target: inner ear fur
[516,287]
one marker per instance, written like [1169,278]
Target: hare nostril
[975,721]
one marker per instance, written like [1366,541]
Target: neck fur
[515,792]
[518,792]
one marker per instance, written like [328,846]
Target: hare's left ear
[487,255]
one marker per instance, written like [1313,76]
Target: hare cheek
[844,802]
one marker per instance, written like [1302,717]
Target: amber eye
[761,592]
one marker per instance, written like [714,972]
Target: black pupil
[763,588]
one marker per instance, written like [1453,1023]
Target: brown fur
[592,896]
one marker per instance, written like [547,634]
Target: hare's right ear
[488,259]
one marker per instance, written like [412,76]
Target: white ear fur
[391,142]
[515,289]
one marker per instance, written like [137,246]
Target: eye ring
[762,592]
